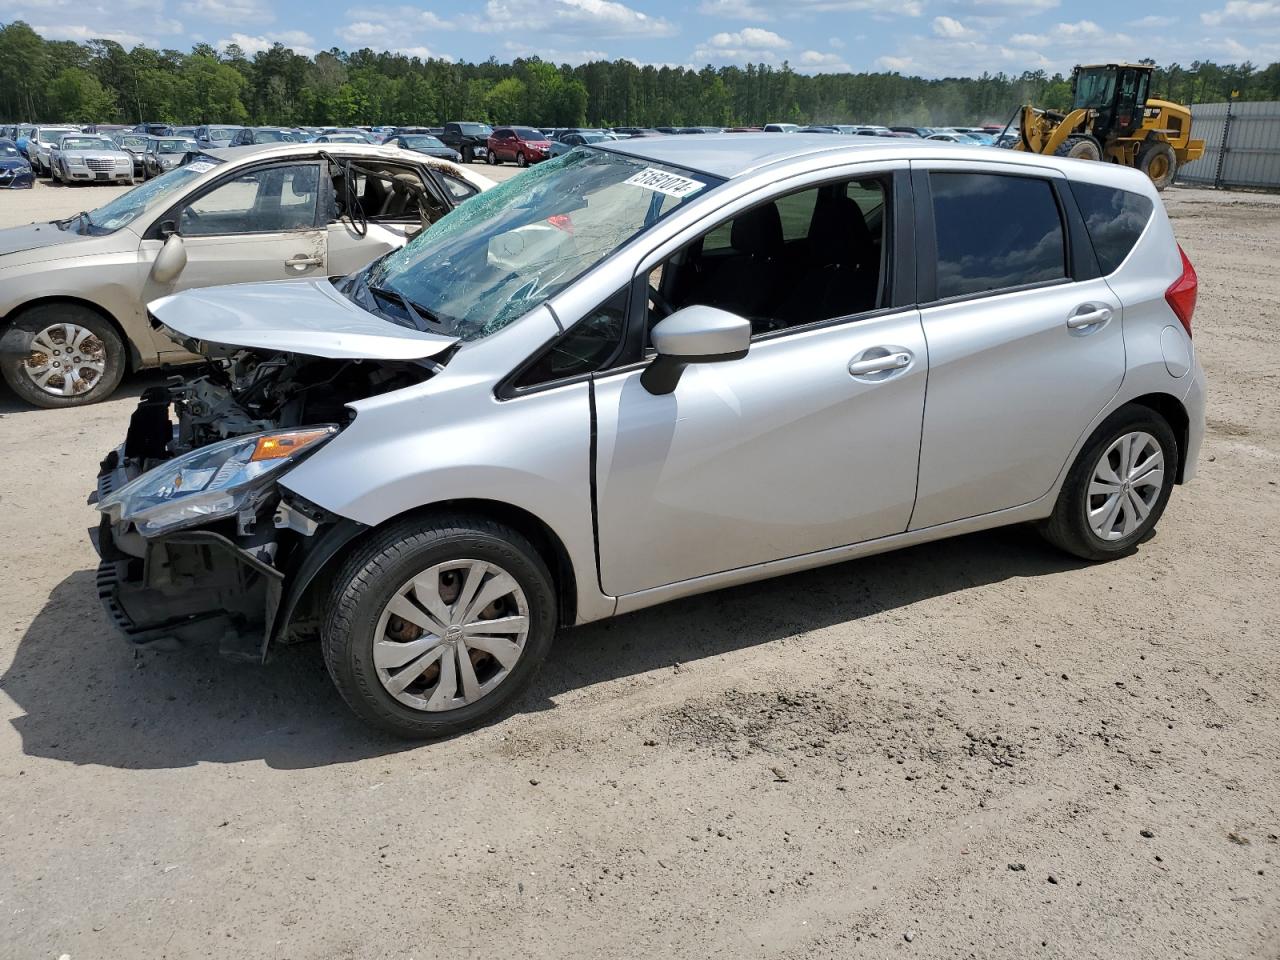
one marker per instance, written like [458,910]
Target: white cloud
[1153,22]
[950,28]
[1244,12]
[571,57]
[236,12]
[403,19]
[603,19]
[814,61]
[80,34]
[837,43]
[295,40]
[751,44]
[1081,35]
[897,64]
[750,38]
[1003,8]
[735,9]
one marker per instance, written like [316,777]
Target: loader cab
[1116,92]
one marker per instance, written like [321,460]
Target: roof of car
[734,155]
[730,155]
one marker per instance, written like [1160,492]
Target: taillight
[1182,295]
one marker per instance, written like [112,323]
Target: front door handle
[302,261]
[881,364]
[1089,315]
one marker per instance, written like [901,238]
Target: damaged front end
[198,541]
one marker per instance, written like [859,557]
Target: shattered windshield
[504,252]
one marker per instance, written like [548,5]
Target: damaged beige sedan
[73,293]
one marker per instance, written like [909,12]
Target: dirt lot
[977,748]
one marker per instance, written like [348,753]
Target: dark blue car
[15,172]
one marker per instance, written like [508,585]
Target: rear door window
[1115,220]
[995,231]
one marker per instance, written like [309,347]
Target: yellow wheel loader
[1112,119]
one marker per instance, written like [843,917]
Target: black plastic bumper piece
[191,587]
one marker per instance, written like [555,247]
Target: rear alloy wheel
[1117,489]
[493,159]
[1157,160]
[62,355]
[433,629]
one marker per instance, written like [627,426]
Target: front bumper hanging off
[198,586]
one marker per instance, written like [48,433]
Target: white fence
[1242,145]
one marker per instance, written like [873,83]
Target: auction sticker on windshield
[660,181]
[200,166]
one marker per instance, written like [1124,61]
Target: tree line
[100,82]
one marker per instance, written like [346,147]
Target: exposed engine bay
[235,575]
[248,391]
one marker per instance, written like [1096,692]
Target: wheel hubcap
[1125,485]
[450,635]
[66,359]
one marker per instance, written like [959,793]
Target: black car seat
[745,282]
[843,273]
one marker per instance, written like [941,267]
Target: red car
[524,145]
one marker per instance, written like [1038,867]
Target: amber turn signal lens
[285,445]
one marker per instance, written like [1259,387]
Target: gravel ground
[978,748]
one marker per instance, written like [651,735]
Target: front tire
[1118,487]
[1158,161]
[62,355]
[521,160]
[1079,148]
[435,626]
[467,155]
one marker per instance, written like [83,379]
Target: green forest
[99,82]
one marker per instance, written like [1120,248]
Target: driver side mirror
[695,334]
[172,258]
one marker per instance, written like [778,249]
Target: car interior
[269,200]
[813,255]
[383,193]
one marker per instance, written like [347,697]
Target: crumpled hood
[17,239]
[292,316]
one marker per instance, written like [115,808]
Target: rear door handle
[881,364]
[301,261]
[1089,315]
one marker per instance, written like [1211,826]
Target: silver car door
[809,442]
[1022,356]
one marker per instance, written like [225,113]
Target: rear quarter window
[1115,220]
[995,231]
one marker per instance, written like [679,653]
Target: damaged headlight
[212,482]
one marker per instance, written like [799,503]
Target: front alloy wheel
[451,635]
[434,626]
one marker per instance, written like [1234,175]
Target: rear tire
[468,155]
[1096,519]
[1158,161]
[377,576]
[493,159]
[100,364]
[1079,148]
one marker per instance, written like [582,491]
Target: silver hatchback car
[647,369]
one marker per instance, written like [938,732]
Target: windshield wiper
[421,316]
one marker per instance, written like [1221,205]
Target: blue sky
[928,37]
